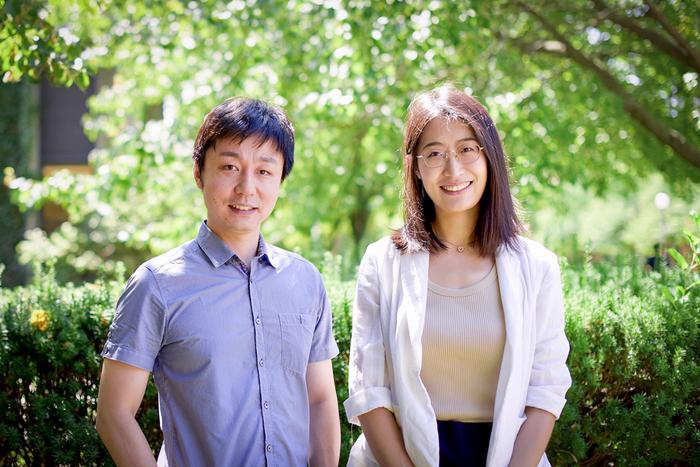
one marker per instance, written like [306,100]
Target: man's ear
[197,175]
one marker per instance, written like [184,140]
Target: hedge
[635,353]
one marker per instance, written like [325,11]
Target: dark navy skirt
[463,444]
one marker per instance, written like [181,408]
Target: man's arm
[121,391]
[532,438]
[324,421]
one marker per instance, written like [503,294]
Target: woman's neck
[456,228]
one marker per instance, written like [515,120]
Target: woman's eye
[433,154]
[264,172]
[468,149]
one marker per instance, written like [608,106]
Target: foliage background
[634,359]
[597,101]
[345,72]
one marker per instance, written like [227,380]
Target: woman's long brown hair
[498,222]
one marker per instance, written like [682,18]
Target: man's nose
[245,184]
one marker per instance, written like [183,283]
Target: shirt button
[257,320]
[261,362]
[269,448]
[266,405]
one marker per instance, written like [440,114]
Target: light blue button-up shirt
[228,348]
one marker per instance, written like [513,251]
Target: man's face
[240,181]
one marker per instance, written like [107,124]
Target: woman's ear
[406,161]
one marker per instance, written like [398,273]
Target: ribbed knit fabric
[463,341]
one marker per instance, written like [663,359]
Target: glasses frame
[446,154]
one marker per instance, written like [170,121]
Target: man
[236,332]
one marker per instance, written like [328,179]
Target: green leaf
[678,258]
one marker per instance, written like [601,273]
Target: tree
[346,73]
[638,60]
[36,40]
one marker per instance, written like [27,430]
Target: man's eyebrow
[267,158]
[264,158]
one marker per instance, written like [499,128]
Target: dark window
[62,139]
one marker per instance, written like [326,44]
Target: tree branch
[674,139]
[656,39]
[689,50]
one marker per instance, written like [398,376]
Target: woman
[458,353]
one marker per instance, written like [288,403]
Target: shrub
[635,398]
[50,340]
[635,349]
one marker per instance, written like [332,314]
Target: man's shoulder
[171,261]
[286,258]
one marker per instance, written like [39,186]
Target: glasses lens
[469,152]
[433,158]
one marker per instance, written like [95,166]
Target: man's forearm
[324,433]
[124,439]
[532,438]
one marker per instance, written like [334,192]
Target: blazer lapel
[510,282]
[414,291]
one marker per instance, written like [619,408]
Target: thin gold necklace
[459,248]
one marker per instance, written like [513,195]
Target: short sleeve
[136,333]
[323,345]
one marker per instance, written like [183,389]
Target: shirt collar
[219,253]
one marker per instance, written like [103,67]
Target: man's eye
[229,167]
[265,172]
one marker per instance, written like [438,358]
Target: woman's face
[457,183]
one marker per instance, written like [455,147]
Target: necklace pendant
[460,249]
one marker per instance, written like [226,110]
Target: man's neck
[244,245]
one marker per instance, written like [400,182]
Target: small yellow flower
[105,321]
[8,176]
[40,320]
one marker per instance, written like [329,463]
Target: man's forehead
[231,146]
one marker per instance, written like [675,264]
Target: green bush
[635,364]
[50,340]
[635,348]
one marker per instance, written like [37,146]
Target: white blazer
[386,352]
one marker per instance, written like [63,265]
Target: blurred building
[41,127]
[61,143]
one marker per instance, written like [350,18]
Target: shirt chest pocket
[297,332]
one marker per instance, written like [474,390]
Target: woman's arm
[549,376]
[368,380]
[384,438]
[532,438]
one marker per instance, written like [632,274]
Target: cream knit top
[463,339]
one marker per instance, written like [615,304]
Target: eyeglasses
[465,154]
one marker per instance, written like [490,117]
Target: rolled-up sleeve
[550,378]
[136,333]
[369,386]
